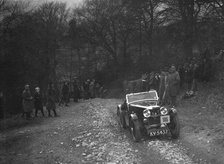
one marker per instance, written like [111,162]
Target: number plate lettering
[158,132]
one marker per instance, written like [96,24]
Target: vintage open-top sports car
[143,115]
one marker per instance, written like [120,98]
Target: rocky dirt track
[88,132]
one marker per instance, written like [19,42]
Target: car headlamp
[163,111]
[146,113]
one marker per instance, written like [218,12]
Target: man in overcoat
[38,102]
[173,85]
[163,85]
[76,91]
[51,106]
[27,101]
[65,93]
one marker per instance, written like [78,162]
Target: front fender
[118,110]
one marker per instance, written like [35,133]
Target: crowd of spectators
[49,98]
[36,102]
[186,76]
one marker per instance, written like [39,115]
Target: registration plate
[165,119]
[157,132]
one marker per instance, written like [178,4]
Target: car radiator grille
[153,120]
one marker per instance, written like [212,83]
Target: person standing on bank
[173,85]
[189,76]
[27,101]
[92,89]
[163,84]
[65,94]
[1,105]
[51,106]
[76,91]
[86,89]
[38,101]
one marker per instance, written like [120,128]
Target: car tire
[122,120]
[135,129]
[175,127]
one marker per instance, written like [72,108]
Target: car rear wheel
[135,129]
[175,127]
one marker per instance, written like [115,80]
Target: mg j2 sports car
[141,113]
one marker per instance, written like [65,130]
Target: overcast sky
[70,3]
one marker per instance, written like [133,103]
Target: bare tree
[52,18]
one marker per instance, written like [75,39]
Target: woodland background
[101,39]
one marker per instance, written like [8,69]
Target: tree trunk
[79,63]
[125,57]
[71,66]
[187,12]
[140,38]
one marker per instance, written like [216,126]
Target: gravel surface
[88,132]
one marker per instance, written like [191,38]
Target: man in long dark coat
[38,102]
[1,105]
[65,94]
[188,75]
[27,101]
[163,84]
[92,89]
[86,89]
[76,91]
[195,77]
[51,106]
[181,73]
[173,85]
[206,69]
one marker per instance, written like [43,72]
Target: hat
[37,88]
[27,86]
[165,69]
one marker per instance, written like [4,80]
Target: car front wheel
[175,127]
[135,129]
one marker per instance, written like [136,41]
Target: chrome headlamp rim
[163,111]
[146,113]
